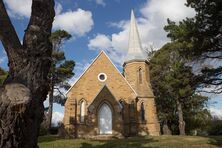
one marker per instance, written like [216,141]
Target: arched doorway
[105,119]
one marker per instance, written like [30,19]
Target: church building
[104,102]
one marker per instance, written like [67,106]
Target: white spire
[135,50]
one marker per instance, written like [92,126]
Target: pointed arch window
[142,111]
[132,110]
[82,110]
[140,76]
[105,119]
[121,102]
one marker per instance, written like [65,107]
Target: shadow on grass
[140,142]
[47,138]
[215,140]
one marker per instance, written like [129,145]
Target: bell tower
[136,72]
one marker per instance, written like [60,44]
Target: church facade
[105,102]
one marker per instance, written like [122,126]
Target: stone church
[105,102]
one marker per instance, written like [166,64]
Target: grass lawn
[135,142]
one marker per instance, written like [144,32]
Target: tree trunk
[181,121]
[25,89]
[50,105]
[166,130]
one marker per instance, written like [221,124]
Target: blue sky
[104,24]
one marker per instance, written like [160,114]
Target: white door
[105,119]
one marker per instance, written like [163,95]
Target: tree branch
[39,27]
[8,35]
[218,91]
[214,57]
[60,92]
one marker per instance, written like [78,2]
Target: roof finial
[135,50]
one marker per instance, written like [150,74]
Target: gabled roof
[102,52]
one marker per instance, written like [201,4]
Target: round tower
[136,72]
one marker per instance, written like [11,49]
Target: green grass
[135,142]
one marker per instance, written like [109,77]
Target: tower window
[82,111]
[142,111]
[140,76]
[122,109]
[132,110]
[72,120]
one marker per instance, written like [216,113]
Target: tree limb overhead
[8,35]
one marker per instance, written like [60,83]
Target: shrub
[216,127]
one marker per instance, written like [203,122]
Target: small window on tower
[122,108]
[72,120]
[140,76]
[142,111]
[132,110]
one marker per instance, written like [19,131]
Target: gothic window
[140,76]
[122,108]
[82,110]
[142,111]
[72,120]
[132,110]
[105,119]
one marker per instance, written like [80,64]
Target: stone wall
[126,118]
[88,87]
[145,95]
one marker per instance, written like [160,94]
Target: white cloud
[56,118]
[101,2]
[216,112]
[22,8]
[109,45]
[163,9]
[19,8]
[100,41]
[58,8]
[154,18]
[150,25]
[78,22]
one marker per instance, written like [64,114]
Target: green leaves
[64,71]
[58,38]
[193,39]
[201,37]
[60,35]
[58,56]
[61,69]
[173,80]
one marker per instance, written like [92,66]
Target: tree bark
[166,130]
[25,89]
[181,121]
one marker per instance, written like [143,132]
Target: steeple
[135,51]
